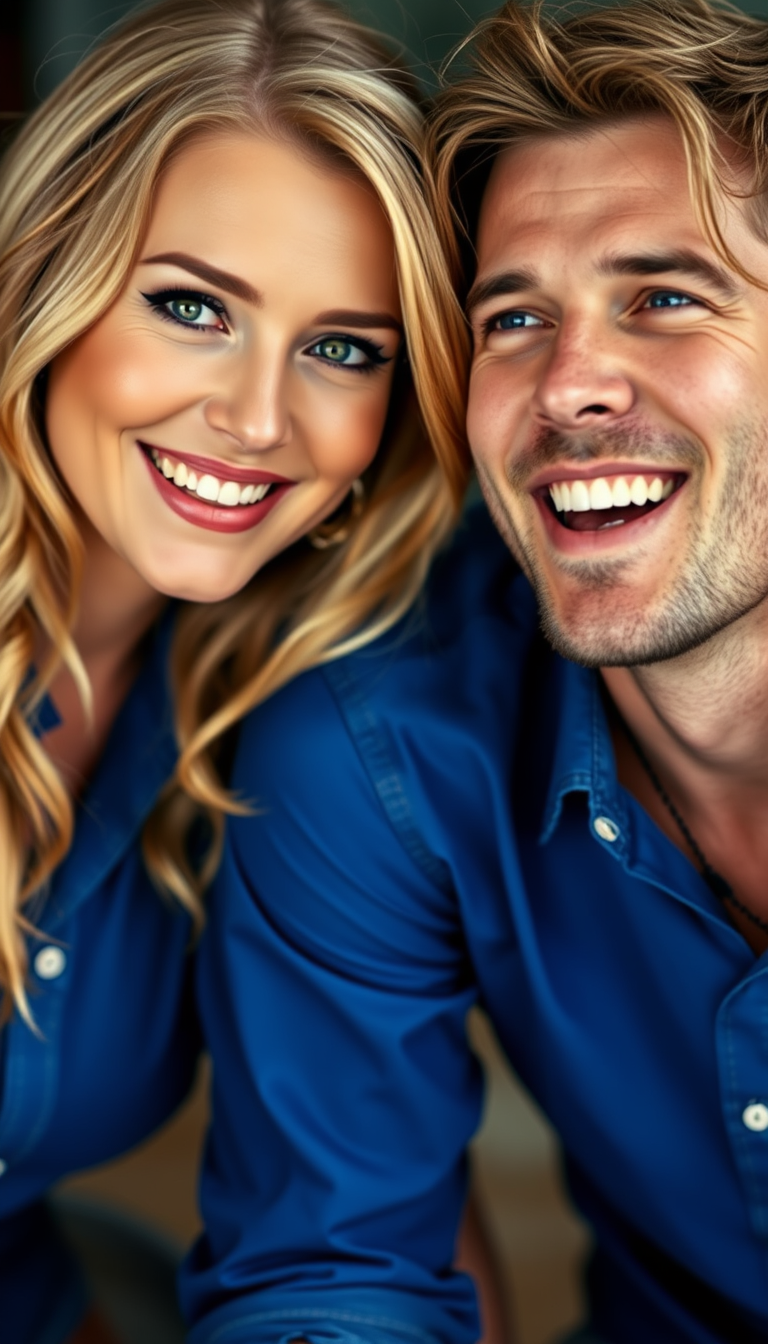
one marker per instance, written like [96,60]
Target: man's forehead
[618,190]
[639,162]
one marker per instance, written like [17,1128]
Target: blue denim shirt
[438,822]
[110,991]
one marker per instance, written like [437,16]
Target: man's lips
[575,471]
[602,504]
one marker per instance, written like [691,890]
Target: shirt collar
[583,758]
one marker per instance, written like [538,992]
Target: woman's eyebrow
[344,317]
[231,284]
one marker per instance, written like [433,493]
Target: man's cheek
[490,423]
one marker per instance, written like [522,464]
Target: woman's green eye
[348,352]
[339,352]
[186,310]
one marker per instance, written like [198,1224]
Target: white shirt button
[606,829]
[755,1116]
[3,1167]
[50,962]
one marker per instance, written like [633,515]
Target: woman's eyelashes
[202,312]
[188,308]
[348,352]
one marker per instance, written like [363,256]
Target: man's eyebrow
[211,275]
[679,261]
[348,317]
[497,286]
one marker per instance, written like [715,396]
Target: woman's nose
[251,406]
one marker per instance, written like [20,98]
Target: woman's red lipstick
[216,517]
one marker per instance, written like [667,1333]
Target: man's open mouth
[592,505]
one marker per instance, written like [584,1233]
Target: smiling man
[609,177]
[618,383]
[548,791]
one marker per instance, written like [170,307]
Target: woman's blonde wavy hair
[534,72]
[75,197]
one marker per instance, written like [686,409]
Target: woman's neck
[116,610]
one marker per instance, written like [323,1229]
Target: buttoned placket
[106,827]
[31,1059]
[741,1031]
[742,1054]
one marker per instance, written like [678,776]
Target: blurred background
[539,1242]
[40,40]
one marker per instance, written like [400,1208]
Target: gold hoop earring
[339,526]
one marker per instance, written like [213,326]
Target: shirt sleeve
[334,987]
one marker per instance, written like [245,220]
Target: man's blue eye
[669,298]
[514,321]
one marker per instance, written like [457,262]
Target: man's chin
[624,640]
[594,647]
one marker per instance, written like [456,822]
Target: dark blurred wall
[40,40]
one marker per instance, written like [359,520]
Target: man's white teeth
[609,492]
[207,487]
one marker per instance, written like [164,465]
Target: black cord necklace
[714,880]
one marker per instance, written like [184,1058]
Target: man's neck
[702,721]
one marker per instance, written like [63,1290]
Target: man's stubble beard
[718,583]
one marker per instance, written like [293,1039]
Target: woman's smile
[223,499]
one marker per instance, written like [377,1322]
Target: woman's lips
[208,513]
[210,466]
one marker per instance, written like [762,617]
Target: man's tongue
[595,520]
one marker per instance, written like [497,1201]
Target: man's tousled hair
[531,74]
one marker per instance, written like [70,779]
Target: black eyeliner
[158,298]
[369,348]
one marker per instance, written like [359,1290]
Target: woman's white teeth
[229,492]
[609,492]
[207,487]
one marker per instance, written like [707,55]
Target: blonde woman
[219,288]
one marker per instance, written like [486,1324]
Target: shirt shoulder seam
[376,753]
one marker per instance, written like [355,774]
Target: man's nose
[583,383]
[251,404]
